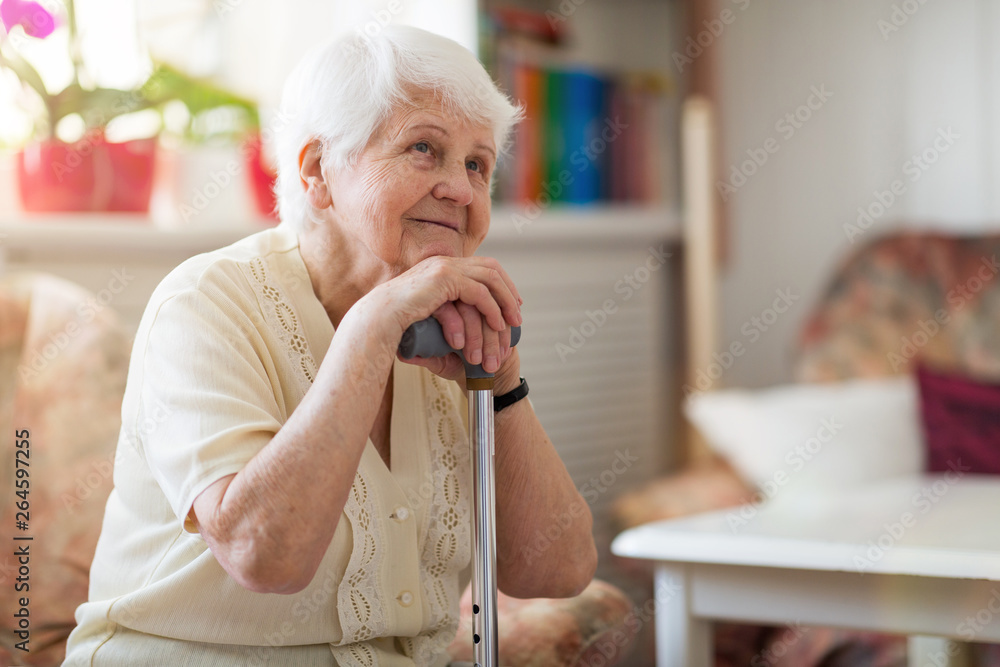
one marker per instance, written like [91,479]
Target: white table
[917,556]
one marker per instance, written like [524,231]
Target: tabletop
[944,525]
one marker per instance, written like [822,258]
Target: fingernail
[459,341]
[491,364]
[475,357]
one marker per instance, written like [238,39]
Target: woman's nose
[454,185]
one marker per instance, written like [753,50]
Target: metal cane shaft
[484,584]
[426,339]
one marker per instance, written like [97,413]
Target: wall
[893,77]
[264,40]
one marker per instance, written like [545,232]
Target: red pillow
[961,421]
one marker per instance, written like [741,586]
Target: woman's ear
[311,175]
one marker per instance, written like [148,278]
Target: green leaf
[99,105]
[26,73]
[197,94]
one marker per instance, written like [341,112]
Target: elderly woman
[287,490]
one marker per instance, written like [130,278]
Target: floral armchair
[903,298]
[63,361]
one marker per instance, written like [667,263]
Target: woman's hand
[473,298]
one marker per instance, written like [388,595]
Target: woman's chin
[438,249]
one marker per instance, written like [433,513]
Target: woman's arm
[545,546]
[270,524]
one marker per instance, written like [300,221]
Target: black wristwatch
[511,397]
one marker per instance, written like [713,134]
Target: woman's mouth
[440,223]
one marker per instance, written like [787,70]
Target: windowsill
[112,233]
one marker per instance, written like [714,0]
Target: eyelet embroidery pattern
[355,655]
[281,318]
[447,548]
[359,607]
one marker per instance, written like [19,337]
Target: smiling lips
[441,223]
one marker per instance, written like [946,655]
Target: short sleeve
[206,401]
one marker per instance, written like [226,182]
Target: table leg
[682,640]
[937,652]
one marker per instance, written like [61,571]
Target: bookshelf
[598,88]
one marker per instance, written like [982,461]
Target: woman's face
[420,188]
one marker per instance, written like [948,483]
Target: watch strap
[511,397]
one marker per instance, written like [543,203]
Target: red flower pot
[89,175]
[261,176]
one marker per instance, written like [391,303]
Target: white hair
[342,92]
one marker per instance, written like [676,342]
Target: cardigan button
[401,514]
[405,598]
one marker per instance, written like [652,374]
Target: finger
[504,344]
[492,263]
[473,292]
[447,366]
[503,288]
[452,324]
[491,349]
[473,322]
[500,293]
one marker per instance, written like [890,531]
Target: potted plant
[91,173]
[213,166]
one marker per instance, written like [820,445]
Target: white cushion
[802,439]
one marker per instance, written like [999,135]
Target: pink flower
[36,21]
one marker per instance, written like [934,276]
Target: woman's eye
[473,165]
[422,146]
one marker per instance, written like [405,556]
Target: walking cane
[425,339]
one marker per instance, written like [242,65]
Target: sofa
[896,302]
[63,363]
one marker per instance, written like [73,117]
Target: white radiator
[605,400]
